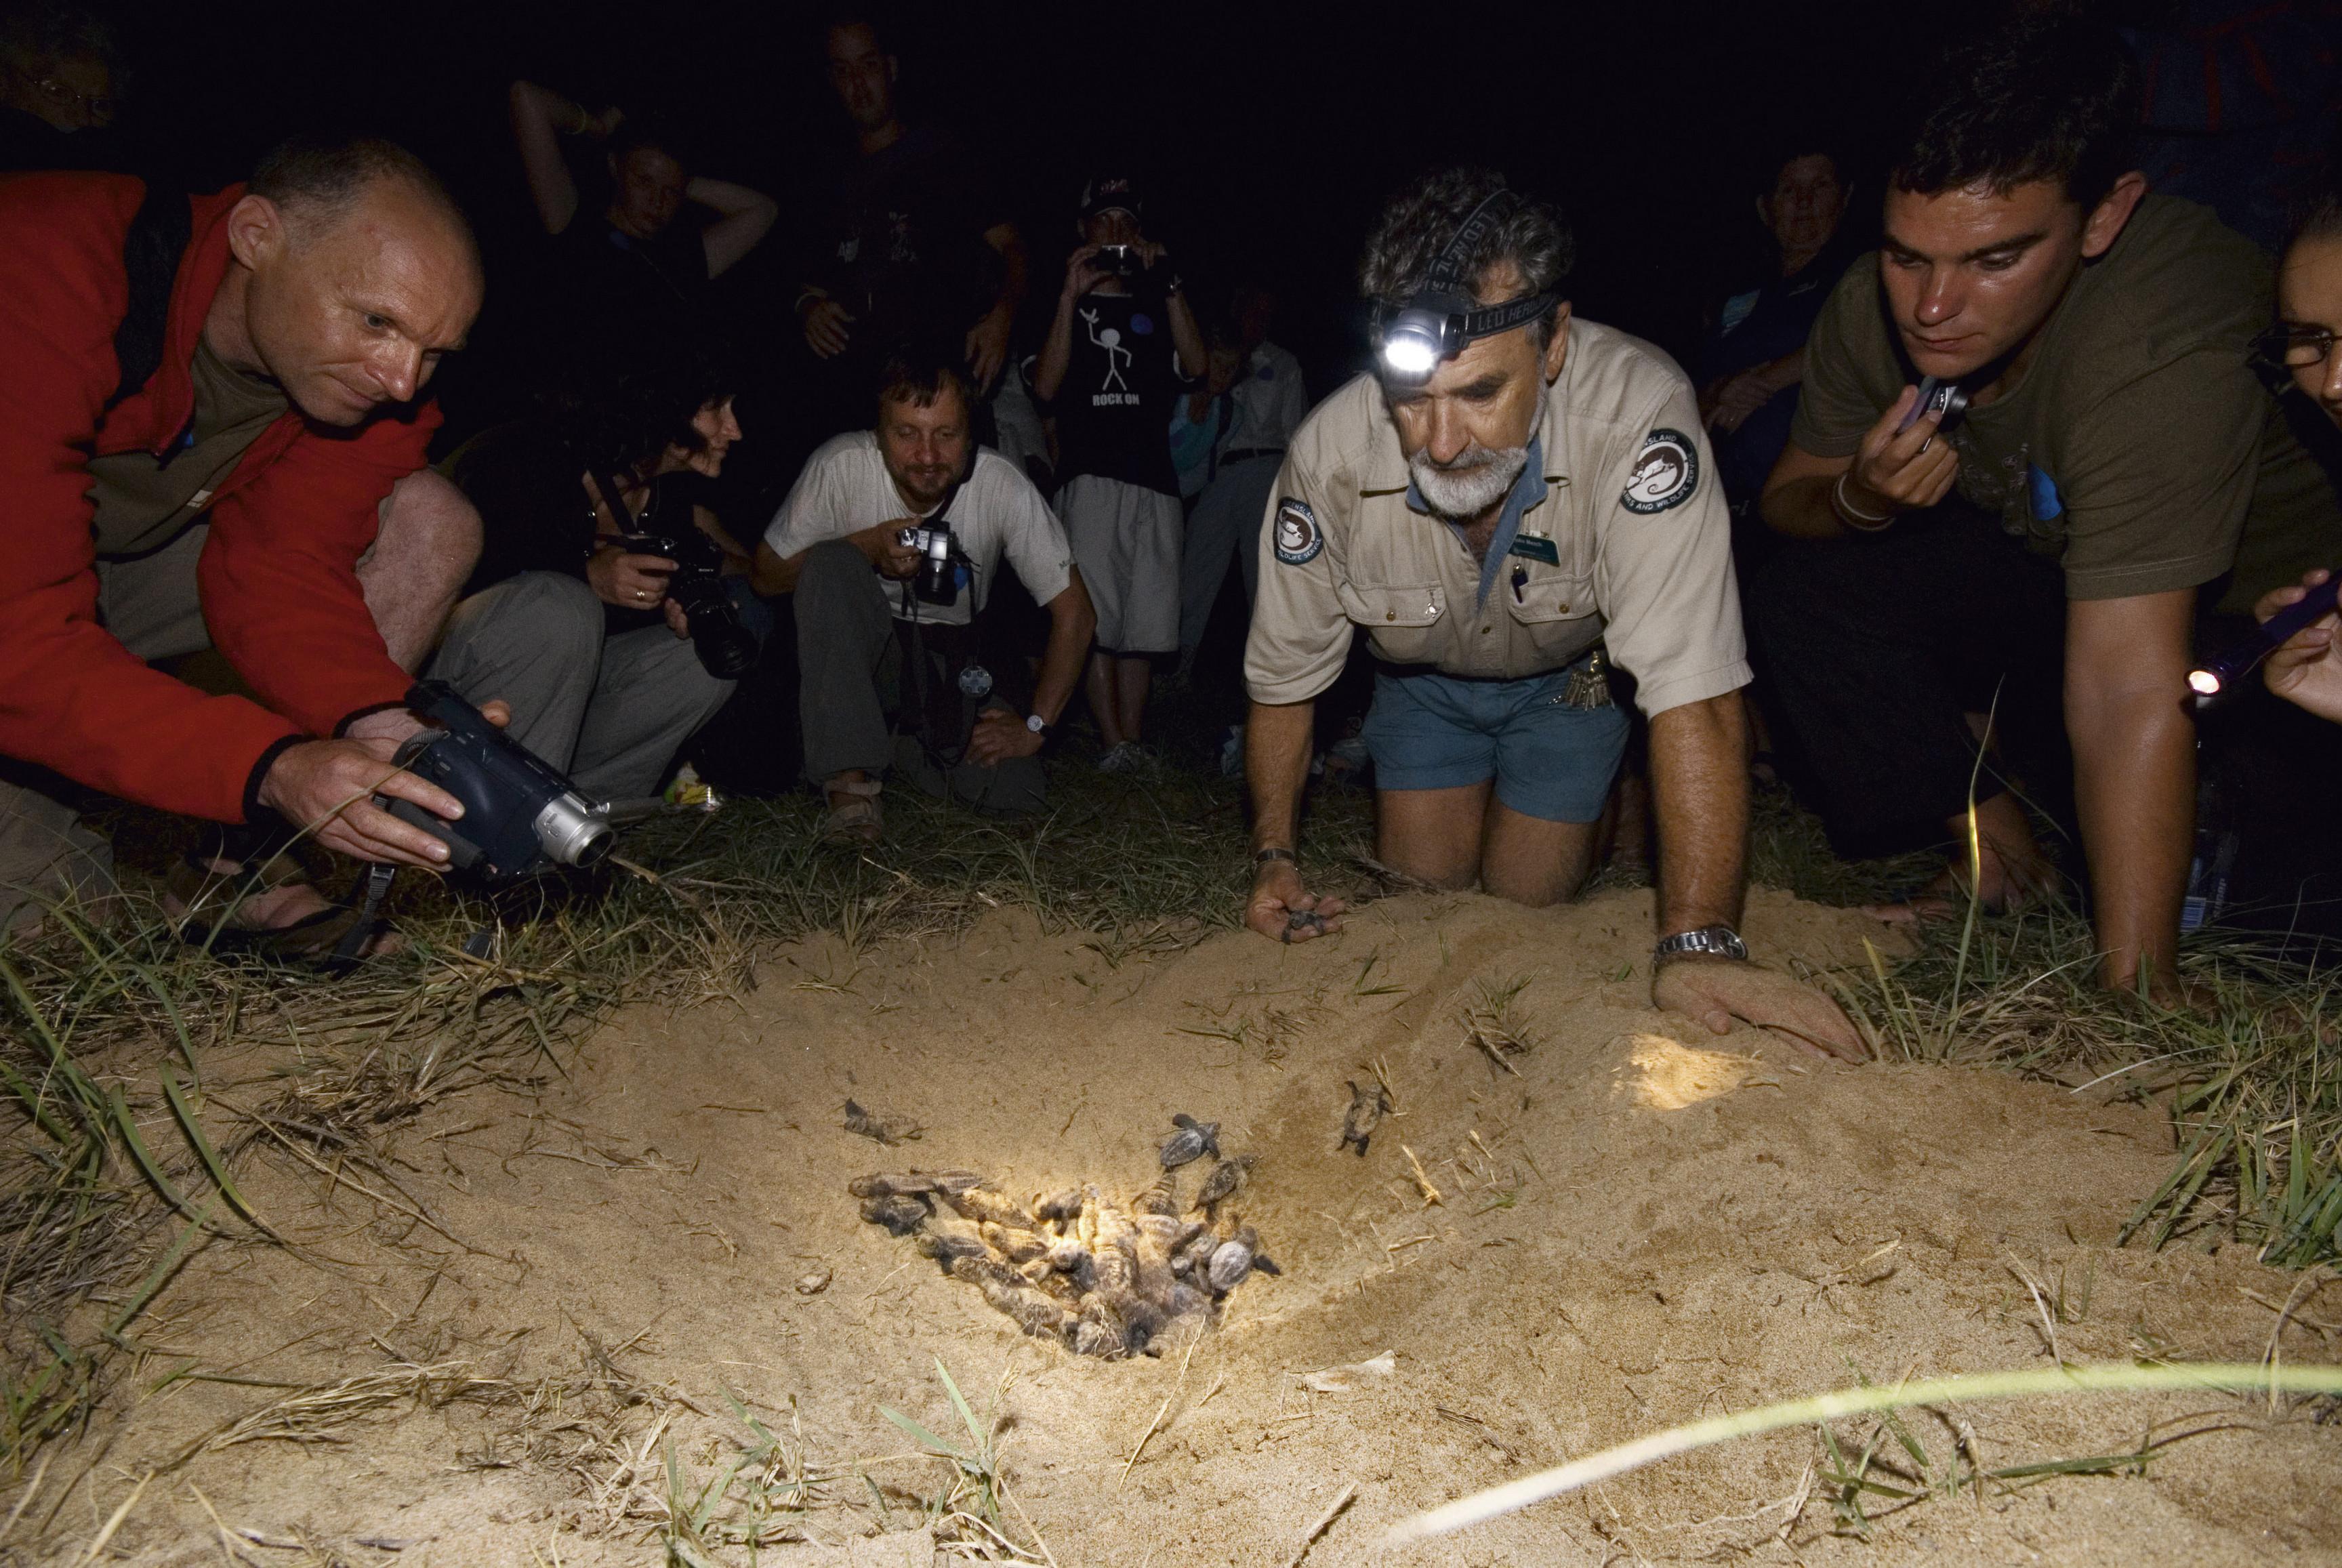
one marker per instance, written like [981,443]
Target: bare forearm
[539,117]
[1049,373]
[2135,788]
[1801,509]
[1015,278]
[747,217]
[772,575]
[1277,761]
[1187,338]
[1699,791]
[1072,622]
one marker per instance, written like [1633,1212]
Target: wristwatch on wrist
[1037,725]
[1721,940]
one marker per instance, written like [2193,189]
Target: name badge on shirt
[1535,547]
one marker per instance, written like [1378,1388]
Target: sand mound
[1623,1223]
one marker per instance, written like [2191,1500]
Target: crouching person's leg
[427,542]
[1013,786]
[1498,781]
[653,693]
[844,630]
[535,641]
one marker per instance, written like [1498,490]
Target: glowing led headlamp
[1439,320]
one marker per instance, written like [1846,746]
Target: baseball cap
[1111,193]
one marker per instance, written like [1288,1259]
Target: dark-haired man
[1491,512]
[916,243]
[2116,454]
[865,627]
[209,434]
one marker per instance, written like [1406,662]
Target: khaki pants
[151,606]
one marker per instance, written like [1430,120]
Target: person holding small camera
[1121,347]
[609,609]
[889,542]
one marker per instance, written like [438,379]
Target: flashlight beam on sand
[1498,1501]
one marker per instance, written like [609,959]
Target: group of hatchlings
[1102,1278]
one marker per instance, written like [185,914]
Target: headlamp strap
[1447,271]
[1444,288]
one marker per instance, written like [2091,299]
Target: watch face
[1032,722]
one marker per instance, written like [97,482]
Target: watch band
[1721,940]
[1263,856]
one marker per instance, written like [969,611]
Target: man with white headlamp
[1513,491]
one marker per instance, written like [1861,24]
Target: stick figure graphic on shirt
[1117,357]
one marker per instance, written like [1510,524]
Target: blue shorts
[1550,760]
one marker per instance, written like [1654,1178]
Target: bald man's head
[358,273]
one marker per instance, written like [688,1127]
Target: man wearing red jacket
[254,487]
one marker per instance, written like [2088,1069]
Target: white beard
[1476,480]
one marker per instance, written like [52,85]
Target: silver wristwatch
[1720,940]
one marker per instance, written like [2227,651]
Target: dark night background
[1268,135]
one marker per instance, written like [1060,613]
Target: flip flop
[334,936]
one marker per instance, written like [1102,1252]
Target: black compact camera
[725,645]
[940,558]
[520,813]
[1120,261]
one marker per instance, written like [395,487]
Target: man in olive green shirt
[2114,432]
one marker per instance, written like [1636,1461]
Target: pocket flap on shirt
[1549,596]
[1371,606]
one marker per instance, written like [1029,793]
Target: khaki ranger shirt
[1632,543]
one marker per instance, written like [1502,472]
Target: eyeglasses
[2294,346]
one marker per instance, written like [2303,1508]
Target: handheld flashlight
[1942,398]
[2218,675]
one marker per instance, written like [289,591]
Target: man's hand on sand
[1716,991]
[1282,910]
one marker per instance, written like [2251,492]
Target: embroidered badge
[1666,472]
[1299,539]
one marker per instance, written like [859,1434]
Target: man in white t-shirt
[887,637]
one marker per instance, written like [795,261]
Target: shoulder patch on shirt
[1299,539]
[1666,472]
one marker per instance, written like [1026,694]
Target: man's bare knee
[425,545]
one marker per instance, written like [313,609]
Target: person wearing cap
[1497,504]
[1119,348]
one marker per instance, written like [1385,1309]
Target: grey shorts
[1125,539]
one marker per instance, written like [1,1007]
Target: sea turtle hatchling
[1222,1183]
[1192,1142]
[1298,920]
[1368,1106]
[900,1215]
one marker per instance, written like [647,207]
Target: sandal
[858,821]
[212,905]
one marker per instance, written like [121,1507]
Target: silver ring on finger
[1925,444]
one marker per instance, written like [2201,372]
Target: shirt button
[1390,615]
[1485,630]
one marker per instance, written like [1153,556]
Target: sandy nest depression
[1641,1226]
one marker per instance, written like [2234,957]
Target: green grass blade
[206,1152]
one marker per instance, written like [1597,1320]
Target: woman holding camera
[610,609]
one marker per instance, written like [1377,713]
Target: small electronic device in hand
[727,649]
[938,580]
[520,813]
[1120,261]
[1942,398]
[2218,675]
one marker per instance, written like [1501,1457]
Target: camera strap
[379,875]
